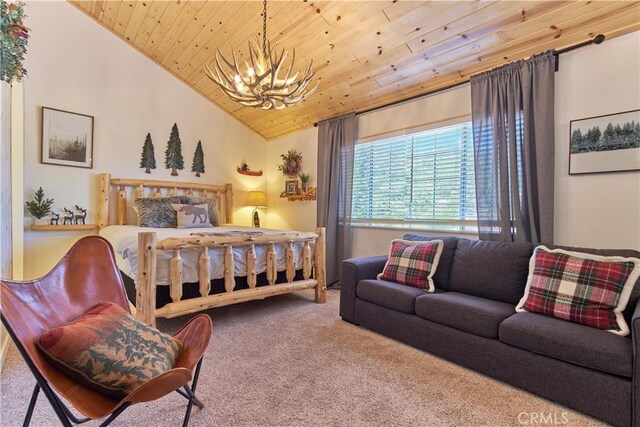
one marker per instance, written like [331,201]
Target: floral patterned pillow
[109,351]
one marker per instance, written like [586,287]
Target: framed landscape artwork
[609,143]
[67,138]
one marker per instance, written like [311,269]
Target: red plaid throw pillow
[413,263]
[582,288]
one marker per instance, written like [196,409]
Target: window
[419,180]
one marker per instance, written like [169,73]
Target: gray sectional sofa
[471,320]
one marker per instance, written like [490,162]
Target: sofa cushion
[479,316]
[389,294]
[571,342]
[441,277]
[412,263]
[582,288]
[493,270]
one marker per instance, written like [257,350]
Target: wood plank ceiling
[366,53]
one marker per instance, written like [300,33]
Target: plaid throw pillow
[413,263]
[582,288]
[109,351]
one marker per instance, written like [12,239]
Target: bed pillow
[413,263]
[109,351]
[214,217]
[579,287]
[192,216]
[156,212]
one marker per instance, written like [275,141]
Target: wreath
[291,163]
[13,41]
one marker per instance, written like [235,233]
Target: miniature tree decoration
[173,155]
[148,160]
[304,181]
[39,207]
[198,160]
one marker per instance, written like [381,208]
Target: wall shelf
[64,227]
[309,196]
[301,198]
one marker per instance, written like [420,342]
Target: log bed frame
[314,277]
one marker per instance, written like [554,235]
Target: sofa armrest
[635,335]
[354,270]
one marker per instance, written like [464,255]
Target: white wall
[590,210]
[599,210]
[75,64]
[282,213]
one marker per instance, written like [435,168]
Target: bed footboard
[314,276]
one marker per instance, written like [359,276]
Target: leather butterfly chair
[86,276]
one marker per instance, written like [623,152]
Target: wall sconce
[257,199]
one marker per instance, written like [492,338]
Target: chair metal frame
[196,331]
[66,417]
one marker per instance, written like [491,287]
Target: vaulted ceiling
[366,53]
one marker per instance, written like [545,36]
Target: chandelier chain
[264,27]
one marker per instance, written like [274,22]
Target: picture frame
[67,138]
[291,187]
[604,144]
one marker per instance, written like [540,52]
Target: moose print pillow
[192,216]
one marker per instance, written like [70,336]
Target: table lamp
[257,199]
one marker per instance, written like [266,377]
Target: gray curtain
[513,138]
[336,140]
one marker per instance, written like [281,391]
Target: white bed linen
[124,239]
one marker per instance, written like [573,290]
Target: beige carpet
[287,361]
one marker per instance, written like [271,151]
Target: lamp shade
[257,199]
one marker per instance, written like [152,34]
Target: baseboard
[4,345]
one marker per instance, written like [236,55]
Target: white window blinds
[419,180]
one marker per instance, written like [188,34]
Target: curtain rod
[596,40]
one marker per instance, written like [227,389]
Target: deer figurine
[68,216]
[82,216]
[55,218]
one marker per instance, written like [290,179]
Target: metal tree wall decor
[197,165]
[258,82]
[173,155]
[148,160]
[14,38]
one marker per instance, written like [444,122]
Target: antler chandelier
[256,83]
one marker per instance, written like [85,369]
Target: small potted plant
[304,182]
[39,207]
[291,163]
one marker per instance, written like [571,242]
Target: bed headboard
[117,189]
